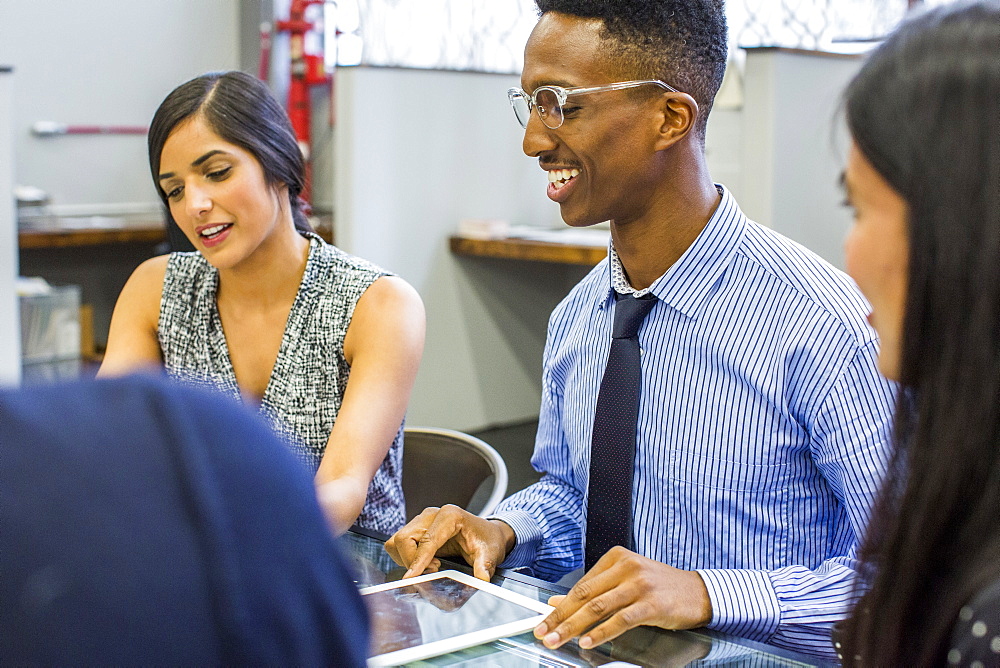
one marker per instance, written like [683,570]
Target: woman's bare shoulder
[390,298]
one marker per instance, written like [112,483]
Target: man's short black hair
[682,42]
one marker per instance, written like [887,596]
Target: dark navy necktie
[612,450]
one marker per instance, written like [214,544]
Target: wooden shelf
[90,237]
[529,250]
[94,237]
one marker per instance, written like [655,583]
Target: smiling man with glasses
[713,427]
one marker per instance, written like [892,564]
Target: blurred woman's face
[877,254]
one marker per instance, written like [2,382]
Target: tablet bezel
[465,640]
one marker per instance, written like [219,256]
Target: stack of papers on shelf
[483,228]
[599,237]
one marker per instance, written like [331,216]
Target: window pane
[489,35]
[482,35]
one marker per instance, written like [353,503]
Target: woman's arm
[132,340]
[383,346]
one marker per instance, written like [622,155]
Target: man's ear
[679,115]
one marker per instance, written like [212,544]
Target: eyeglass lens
[549,109]
[520,103]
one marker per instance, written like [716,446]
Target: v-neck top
[307,383]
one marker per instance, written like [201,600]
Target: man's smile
[560,177]
[560,183]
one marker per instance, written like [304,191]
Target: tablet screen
[433,610]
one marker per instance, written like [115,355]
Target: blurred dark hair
[682,42]
[925,111]
[241,109]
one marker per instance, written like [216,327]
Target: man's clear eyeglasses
[549,100]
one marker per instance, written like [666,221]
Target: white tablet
[443,612]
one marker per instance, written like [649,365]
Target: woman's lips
[214,234]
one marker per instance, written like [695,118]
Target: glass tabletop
[643,646]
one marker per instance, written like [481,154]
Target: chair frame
[481,447]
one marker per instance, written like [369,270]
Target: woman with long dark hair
[923,177]
[326,344]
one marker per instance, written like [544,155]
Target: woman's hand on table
[451,532]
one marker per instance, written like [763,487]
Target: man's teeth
[559,177]
[212,231]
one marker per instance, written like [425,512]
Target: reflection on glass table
[644,646]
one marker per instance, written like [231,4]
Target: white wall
[416,151]
[10,332]
[794,146]
[104,62]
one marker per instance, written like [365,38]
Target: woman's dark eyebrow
[167,175]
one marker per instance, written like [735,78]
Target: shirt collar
[687,282]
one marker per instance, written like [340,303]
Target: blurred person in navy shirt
[144,522]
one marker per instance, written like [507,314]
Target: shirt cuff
[527,537]
[743,602]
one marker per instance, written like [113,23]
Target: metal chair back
[442,466]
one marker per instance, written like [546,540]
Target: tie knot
[629,313]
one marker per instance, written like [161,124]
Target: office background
[411,152]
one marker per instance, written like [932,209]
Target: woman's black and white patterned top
[975,638]
[307,384]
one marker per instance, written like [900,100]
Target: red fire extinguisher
[307,69]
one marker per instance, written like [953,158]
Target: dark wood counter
[65,238]
[114,231]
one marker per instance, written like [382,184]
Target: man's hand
[451,532]
[624,590]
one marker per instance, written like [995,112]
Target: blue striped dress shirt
[763,430]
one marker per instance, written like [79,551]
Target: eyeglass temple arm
[620,85]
